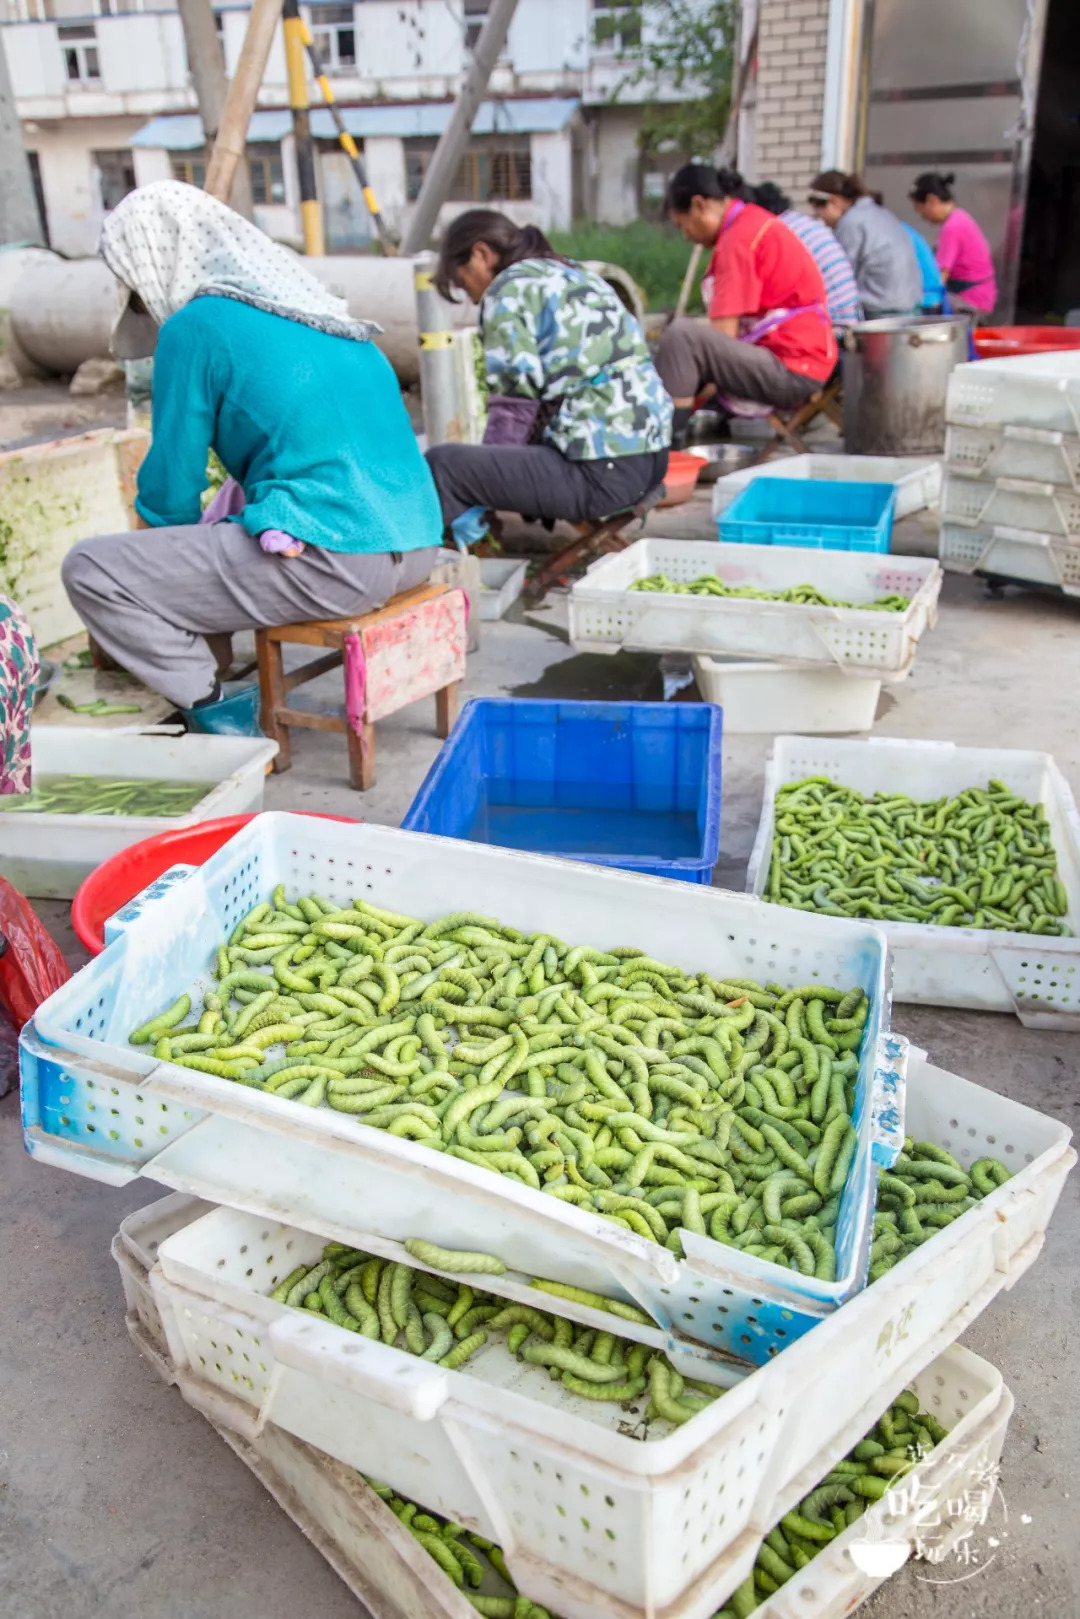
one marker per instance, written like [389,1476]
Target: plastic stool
[412,647]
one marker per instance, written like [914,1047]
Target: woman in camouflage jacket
[579,422]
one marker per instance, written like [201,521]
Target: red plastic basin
[118,880]
[1006,342]
[683,471]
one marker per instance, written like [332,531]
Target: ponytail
[701,180]
[932,184]
[835,183]
[509,242]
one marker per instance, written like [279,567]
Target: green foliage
[687,51]
[655,255]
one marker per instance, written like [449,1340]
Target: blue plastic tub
[802,511]
[634,785]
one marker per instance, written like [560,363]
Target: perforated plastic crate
[94,1103]
[391,1574]
[1011,553]
[47,856]
[596,1514]
[1039,390]
[831,517]
[916,479]
[1037,978]
[1045,508]
[632,785]
[606,614]
[1032,453]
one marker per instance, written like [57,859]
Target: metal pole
[207,65]
[240,101]
[19,219]
[448,153]
[311,218]
[438,371]
[349,146]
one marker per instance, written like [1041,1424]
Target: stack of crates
[598,1517]
[1010,506]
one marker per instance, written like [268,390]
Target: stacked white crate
[1011,500]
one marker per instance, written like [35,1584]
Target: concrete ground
[117,1500]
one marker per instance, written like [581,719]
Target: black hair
[932,184]
[509,242]
[835,183]
[701,180]
[771,198]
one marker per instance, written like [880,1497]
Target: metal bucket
[896,373]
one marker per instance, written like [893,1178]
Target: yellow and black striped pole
[296,36]
[348,145]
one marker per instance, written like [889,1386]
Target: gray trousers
[693,353]
[150,598]
[539,482]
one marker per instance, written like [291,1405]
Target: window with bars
[495,169]
[267,175]
[78,42]
[264,164]
[334,32]
[616,27]
[190,167]
[475,14]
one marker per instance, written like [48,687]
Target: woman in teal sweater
[332,507]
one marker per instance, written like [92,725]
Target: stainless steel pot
[896,373]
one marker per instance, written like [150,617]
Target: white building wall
[70,179]
[550,37]
[151,163]
[408,39]
[552,184]
[615,164]
[385,161]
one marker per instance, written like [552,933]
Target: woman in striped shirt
[842,293]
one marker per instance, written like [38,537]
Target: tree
[687,50]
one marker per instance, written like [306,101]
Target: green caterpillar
[983,858]
[709,584]
[648,1095]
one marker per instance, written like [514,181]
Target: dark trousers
[538,482]
[693,353]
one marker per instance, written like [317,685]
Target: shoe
[236,713]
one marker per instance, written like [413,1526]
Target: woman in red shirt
[768,342]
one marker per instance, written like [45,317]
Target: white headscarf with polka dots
[171,243]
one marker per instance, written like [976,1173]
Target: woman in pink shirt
[963,253]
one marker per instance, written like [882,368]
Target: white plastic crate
[387,1570]
[1033,390]
[1011,553]
[47,856]
[135,1248]
[94,1103]
[606,615]
[502,581]
[1032,453]
[1045,508]
[1036,977]
[917,478]
[769,697]
[498,1446]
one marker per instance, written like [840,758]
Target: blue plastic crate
[802,511]
[634,785]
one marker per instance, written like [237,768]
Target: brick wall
[790,92]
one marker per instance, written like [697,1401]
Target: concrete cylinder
[383,290]
[15,264]
[62,312]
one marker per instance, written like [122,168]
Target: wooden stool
[603,535]
[411,648]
